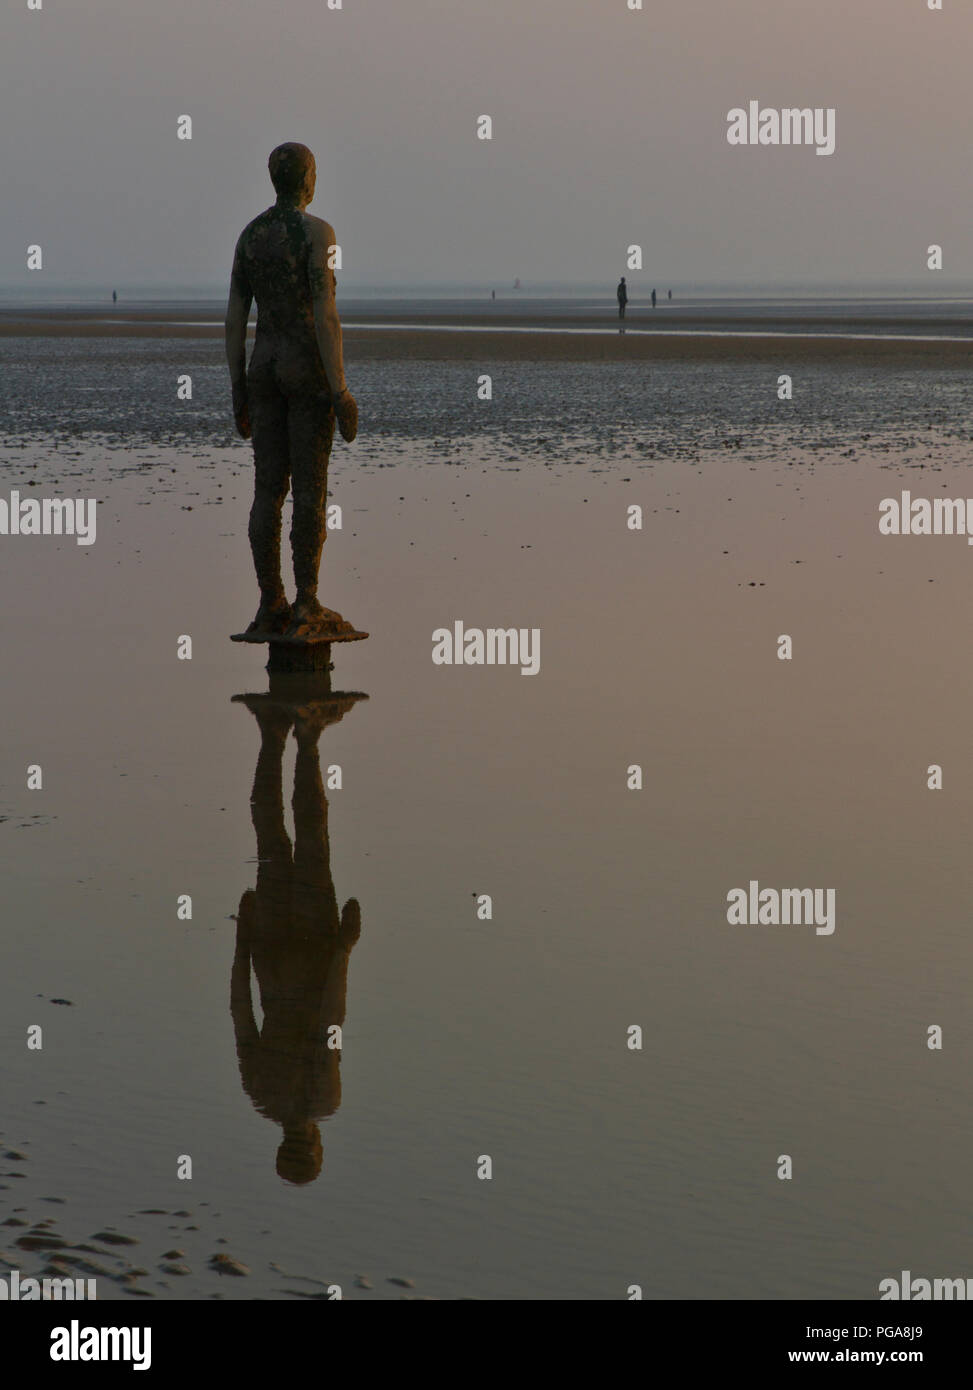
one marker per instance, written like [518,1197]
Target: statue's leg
[311,429]
[315,903]
[267,796]
[268,422]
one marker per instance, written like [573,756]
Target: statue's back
[275,249]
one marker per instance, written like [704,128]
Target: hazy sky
[609,128]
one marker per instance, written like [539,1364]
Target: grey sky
[609,128]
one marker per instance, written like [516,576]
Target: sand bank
[913,341]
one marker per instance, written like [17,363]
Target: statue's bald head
[293,172]
[300,1154]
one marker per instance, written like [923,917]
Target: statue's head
[293,173]
[300,1154]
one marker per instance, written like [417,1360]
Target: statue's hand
[346,409]
[350,929]
[241,410]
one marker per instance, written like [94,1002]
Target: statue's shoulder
[254,226]
[317,228]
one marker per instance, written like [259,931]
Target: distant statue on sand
[621,294]
[293,390]
[653,299]
[114,296]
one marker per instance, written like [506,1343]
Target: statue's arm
[235,330]
[327,325]
[241,1000]
[336,985]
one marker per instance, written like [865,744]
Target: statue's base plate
[299,700]
[298,655]
[317,639]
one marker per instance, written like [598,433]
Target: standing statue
[290,395]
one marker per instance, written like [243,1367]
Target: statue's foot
[275,723]
[310,721]
[275,720]
[309,619]
[272,619]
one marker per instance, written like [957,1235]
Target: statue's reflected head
[293,173]
[300,1154]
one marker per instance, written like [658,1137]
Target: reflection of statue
[290,932]
[289,396]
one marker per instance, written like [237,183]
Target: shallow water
[505,1037]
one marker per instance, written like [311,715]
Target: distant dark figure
[114,296]
[292,936]
[621,294]
[670,294]
[653,299]
[493,294]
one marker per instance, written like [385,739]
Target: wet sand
[471,335]
[508,1037]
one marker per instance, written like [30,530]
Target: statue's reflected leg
[314,895]
[267,796]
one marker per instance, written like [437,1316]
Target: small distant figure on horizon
[621,294]
[493,294]
[114,296]
[670,294]
[653,299]
[517,283]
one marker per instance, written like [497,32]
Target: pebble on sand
[100,1271]
[42,1242]
[226,1264]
